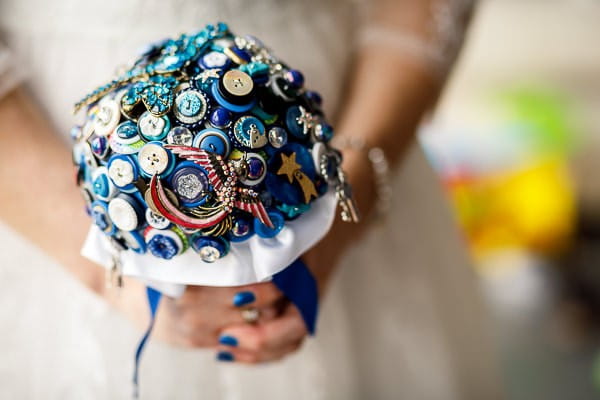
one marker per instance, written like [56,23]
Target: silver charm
[343,193]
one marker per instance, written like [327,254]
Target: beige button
[237,83]
[153,159]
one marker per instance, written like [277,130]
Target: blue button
[190,183]
[190,106]
[133,241]
[236,108]
[99,213]
[279,185]
[127,133]
[264,231]
[256,169]
[249,131]
[295,78]
[220,117]
[102,186]
[213,140]
[210,248]
[292,120]
[162,246]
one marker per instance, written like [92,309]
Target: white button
[156,220]
[153,159]
[152,127]
[107,118]
[122,213]
[121,172]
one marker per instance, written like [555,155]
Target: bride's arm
[403,56]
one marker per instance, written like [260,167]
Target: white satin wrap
[254,260]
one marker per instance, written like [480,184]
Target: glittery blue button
[190,182]
[264,231]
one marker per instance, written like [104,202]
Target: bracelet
[381,171]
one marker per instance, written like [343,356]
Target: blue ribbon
[153,301]
[296,282]
[299,285]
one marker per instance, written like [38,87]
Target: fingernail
[228,340]
[224,356]
[243,298]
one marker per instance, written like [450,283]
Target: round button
[152,127]
[229,104]
[213,140]
[256,169]
[125,212]
[190,182]
[214,59]
[264,231]
[102,186]
[295,78]
[180,135]
[249,131]
[121,148]
[99,213]
[165,243]
[210,248]
[153,159]
[134,241]
[278,137]
[242,229]
[237,83]
[127,133]
[156,220]
[323,132]
[122,170]
[190,106]
[107,118]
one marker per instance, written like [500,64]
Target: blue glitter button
[213,140]
[190,183]
[190,106]
[249,131]
[264,231]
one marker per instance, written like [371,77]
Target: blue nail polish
[224,356]
[228,340]
[243,298]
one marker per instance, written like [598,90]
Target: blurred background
[516,143]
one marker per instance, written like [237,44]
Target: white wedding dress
[403,319]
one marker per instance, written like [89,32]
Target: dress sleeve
[430,32]
[10,74]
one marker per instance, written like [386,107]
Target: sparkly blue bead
[163,247]
[295,78]
[314,97]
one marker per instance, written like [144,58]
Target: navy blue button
[210,248]
[163,247]
[264,231]
[99,145]
[213,140]
[190,183]
[220,117]
[292,121]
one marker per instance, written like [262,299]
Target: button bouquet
[207,162]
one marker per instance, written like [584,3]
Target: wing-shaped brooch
[223,177]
